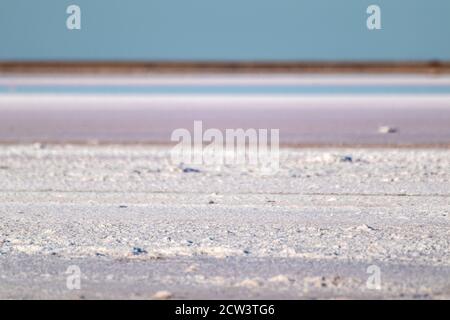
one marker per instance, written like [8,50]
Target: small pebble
[138,251]
[162,295]
[282,279]
[192,268]
[386,130]
[346,159]
[250,283]
[190,170]
[365,227]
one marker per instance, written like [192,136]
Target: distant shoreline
[111,67]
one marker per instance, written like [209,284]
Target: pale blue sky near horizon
[225,30]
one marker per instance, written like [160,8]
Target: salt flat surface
[136,224]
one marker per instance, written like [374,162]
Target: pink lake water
[307,109]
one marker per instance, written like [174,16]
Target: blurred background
[139,69]
[233,30]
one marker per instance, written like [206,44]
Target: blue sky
[227,30]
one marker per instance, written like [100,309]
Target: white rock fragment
[249,283]
[162,295]
[387,130]
[192,268]
[281,279]
[365,228]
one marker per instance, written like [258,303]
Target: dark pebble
[346,159]
[138,251]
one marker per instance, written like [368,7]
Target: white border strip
[63,101]
[222,80]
